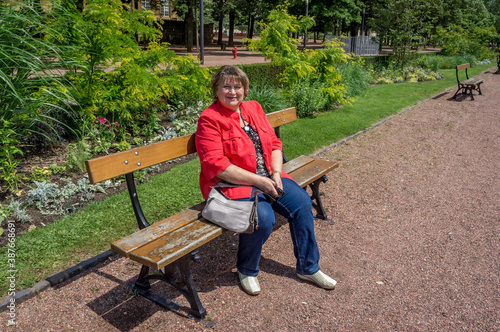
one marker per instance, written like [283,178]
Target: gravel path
[415,246]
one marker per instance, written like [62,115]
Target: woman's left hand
[277,178]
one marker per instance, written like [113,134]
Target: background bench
[169,245]
[466,86]
[498,64]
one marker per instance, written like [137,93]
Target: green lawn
[45,251]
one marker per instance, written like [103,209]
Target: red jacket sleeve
[208,142]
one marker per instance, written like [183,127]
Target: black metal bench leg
[470,93]
[316,199]
[479,89]
[191,293]
[183,283]
[457,93]
[142,281]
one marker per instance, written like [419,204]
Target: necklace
[246,127]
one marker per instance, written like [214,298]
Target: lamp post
[305,33]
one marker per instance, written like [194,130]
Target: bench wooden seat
[170,245]
[466,86]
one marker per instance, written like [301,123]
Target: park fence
[359,45]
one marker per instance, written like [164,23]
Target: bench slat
[313,171]
[170,247]
[282,117]
[472,81]
[298,162]
[138,239]
[116,164]
[460,67]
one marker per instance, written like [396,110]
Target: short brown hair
[230,73]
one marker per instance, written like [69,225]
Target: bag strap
[224,184]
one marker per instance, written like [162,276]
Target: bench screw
[154,233]
[126,162]
[136,153]
[138,164]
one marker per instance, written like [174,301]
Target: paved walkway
[214,56]
[415,246]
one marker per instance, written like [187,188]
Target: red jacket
[220,142]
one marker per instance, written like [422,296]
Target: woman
[236,143]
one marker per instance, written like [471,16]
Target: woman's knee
[298,195]
[266,218]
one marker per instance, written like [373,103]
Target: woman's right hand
[268,186]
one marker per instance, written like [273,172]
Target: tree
[404,23]
[329,15]
[186,8]
[313,71]
[493,6]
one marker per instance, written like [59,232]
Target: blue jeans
[296,206]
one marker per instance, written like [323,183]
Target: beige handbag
[233,215]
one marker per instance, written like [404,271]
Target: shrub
[263,74]
[309,97]
[299,67]
[270,98]
[474,41]
[29,90]
[409,74]
[355,77]
[450,62]
[434,62]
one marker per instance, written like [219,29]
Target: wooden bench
[168,246]
[465,87]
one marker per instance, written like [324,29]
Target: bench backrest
[120,163]
[461,67]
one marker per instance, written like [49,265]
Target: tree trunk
[79,5]
[252,24]
[231,28]
[189,26]
[355,27]
[248,24]
[221,24]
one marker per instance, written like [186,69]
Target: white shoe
[320,279]
[249,284]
